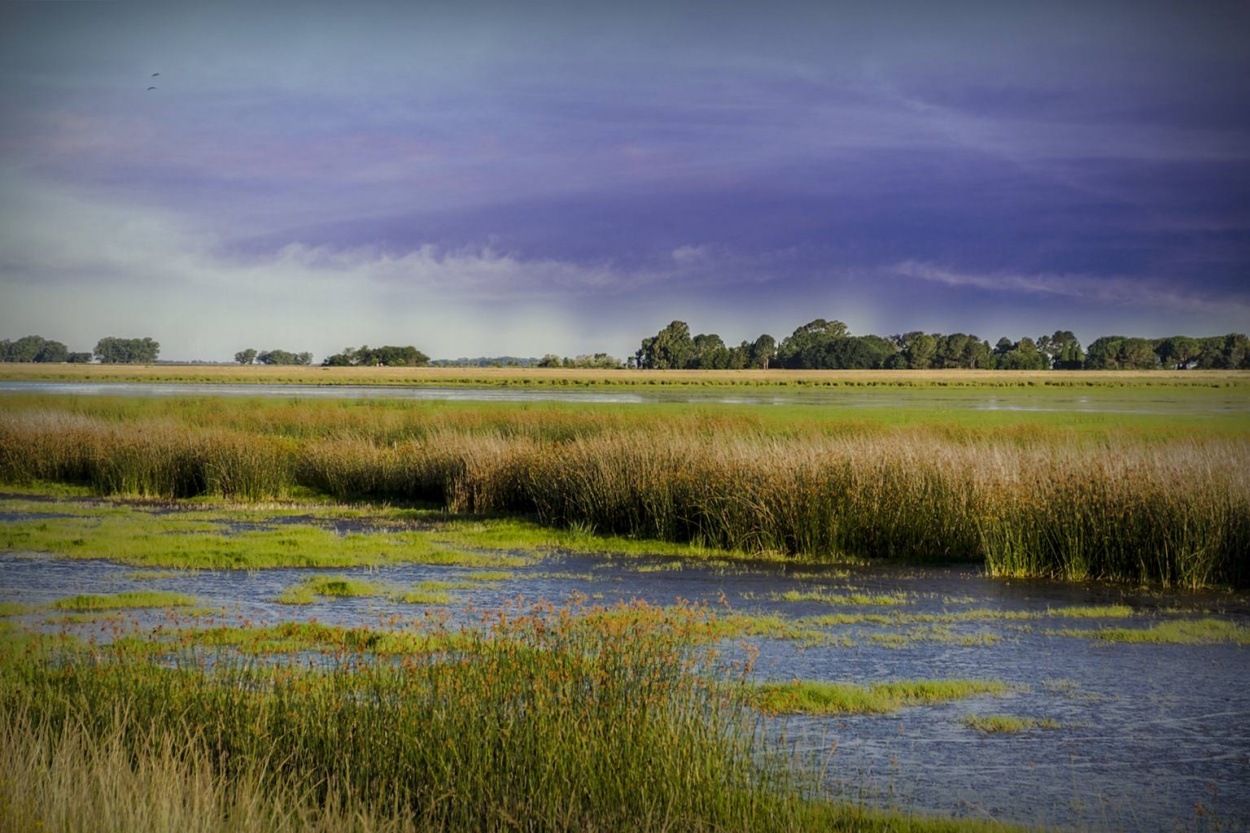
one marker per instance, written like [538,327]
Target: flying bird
[155,74]
[151,88]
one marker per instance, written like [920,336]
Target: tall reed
[1040,502]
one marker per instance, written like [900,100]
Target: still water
[1150,737]
[1063,400]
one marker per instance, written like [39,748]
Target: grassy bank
[541,720]
[1131,499]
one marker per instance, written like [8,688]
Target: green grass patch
[328,587]
[298,637]
[192,539]
[813,697]
[1180,632]
[845,599]
[138,599]
[14,608]
[934,634]
[1005,724]
[488,576]
[425,593]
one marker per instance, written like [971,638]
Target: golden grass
[1028,500]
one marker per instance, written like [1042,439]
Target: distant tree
[961,350]
[392,356]
[549,360]
[1103,353]
[345,359]
[1227,352]
[709,353]
[52,351]
[916,350]
[1121,353]
[1062,350]
[596,361]
[856,353]
[670,348]
[245,356]
[282,357]
[389,356]
[1178,352]
[25,349]
[113,350]
[78,358]
[763,349]
[808,346]
[1019,355]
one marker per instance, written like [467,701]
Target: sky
[523,179]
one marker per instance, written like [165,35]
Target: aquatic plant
[136,599]
[1179,632]
[1005,724]
[816,697]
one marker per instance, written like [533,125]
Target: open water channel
[1145,737]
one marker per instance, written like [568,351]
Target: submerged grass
[814,697]
[138,599]
[1070,496]
[1005,724]
[1180,632]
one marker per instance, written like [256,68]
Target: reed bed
[1032,501]
[541,720]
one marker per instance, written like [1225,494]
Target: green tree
[1178,352]
[856,353]
[920,350]
[1019,355]
[113,350]
[670,348]
[1062,350]
[245,356]
[808,346]
[1224,352]
[709,353]
[763,349]
[1121,353]
[25,349]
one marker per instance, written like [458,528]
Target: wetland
[807,617]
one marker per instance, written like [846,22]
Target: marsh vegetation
[1132,499]
[361,664]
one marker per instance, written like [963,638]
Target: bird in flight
[151,88]
[155,74]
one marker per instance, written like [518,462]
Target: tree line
[110,350]
[829,345]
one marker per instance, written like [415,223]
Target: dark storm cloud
[885,163]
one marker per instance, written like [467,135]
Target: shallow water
[1076,400]
[1152,737]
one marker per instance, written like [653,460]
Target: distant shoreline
[543,377]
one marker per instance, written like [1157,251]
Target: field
[578,716]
